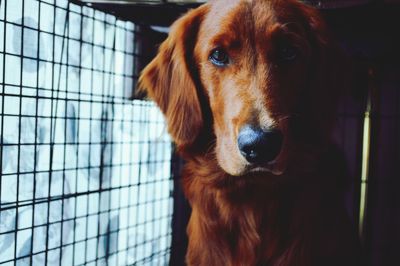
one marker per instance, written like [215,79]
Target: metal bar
[366,148]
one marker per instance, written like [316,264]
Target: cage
[88,172]
[85,170]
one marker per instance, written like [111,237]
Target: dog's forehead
[233,20]
[229,12]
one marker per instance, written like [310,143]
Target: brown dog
[248,90]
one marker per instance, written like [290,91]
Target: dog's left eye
[219,57]
[287,53]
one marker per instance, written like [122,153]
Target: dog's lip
[259,169]
[270,167]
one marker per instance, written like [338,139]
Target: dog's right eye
[219,57]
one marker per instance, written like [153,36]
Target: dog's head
[263,72]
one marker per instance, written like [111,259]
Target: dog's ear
[170,79]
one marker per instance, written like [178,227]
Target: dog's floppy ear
[169,79]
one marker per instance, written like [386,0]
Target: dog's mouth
[271,168]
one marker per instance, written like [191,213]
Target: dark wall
[370,34]
[383,220]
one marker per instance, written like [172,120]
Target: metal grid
[85,172]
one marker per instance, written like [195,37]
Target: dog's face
[259,65]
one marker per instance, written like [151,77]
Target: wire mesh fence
[85,171]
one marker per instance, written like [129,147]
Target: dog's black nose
[259,146]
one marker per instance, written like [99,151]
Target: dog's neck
[249,215]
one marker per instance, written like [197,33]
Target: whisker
[287,117]
[210,149]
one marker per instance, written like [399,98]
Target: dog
[248,89]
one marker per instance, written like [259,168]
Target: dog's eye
[219,57]
[287,53]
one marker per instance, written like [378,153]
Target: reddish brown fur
[291,213]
